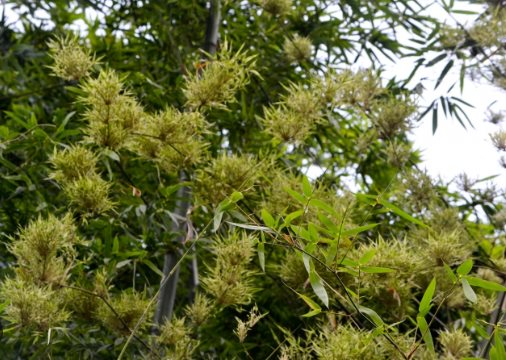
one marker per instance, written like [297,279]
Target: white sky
[452,150]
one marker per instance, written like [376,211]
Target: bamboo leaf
[315,308]
[425,305]
[436,60]
[306,187]
[152,267]
[292,216]
[376,269]
[261,255]
[468,291]
[401,213]
[250,227]
[373,315]
[267,218]
[358,230]
[434,119]
[484,284]
[450,273]
[443,74]
[318,288]
[425,331]
[323,206]
[465,267]
[299,197]
[367,257]
[500,351]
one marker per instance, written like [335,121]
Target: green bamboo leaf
[468,291]
[498,347]
[315,308]
[268,219]
[376,269]
[152,267]
[250,226]
[450,273]
[434,119]
[218,216]
[401,213]
[306,187]
[443,74]
[367,257]
[329,225]
[436,60]
[484,284]
[312,313]
[425,305]
[261,255]
[373,315]
[299,197]
[318,288]
[292,216]
[425,331]
[236,196]
[323,206]
[358,230]
[115,246]
[465,267]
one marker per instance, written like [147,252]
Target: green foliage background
[372,259]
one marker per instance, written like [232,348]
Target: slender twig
[118,316]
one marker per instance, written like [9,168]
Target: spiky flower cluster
[456,344]
[391,116]
[229,279]
[45,253]
[225,175]
[219,79]
[295,116]
[298,48]
[178,337]
[451,36]
[172,138]
[490,30]
[349,343]
[113,114]
[75,170]
[243,327]
[45,250]
[392,290]
[129,308]
[499,140]
[276,7]
[199,311]
[361,88]
[398,153]
[71,61]
[33,307]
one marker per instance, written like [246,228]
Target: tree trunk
[168,288]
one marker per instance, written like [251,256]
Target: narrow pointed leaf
[376,270]
[367,257]
[424,306]
[484,284]
[425,331]
[468,291]
[401,213]
[318,288]
[373,315]
[306,187]
[465,267]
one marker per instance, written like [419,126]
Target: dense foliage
[167,195]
